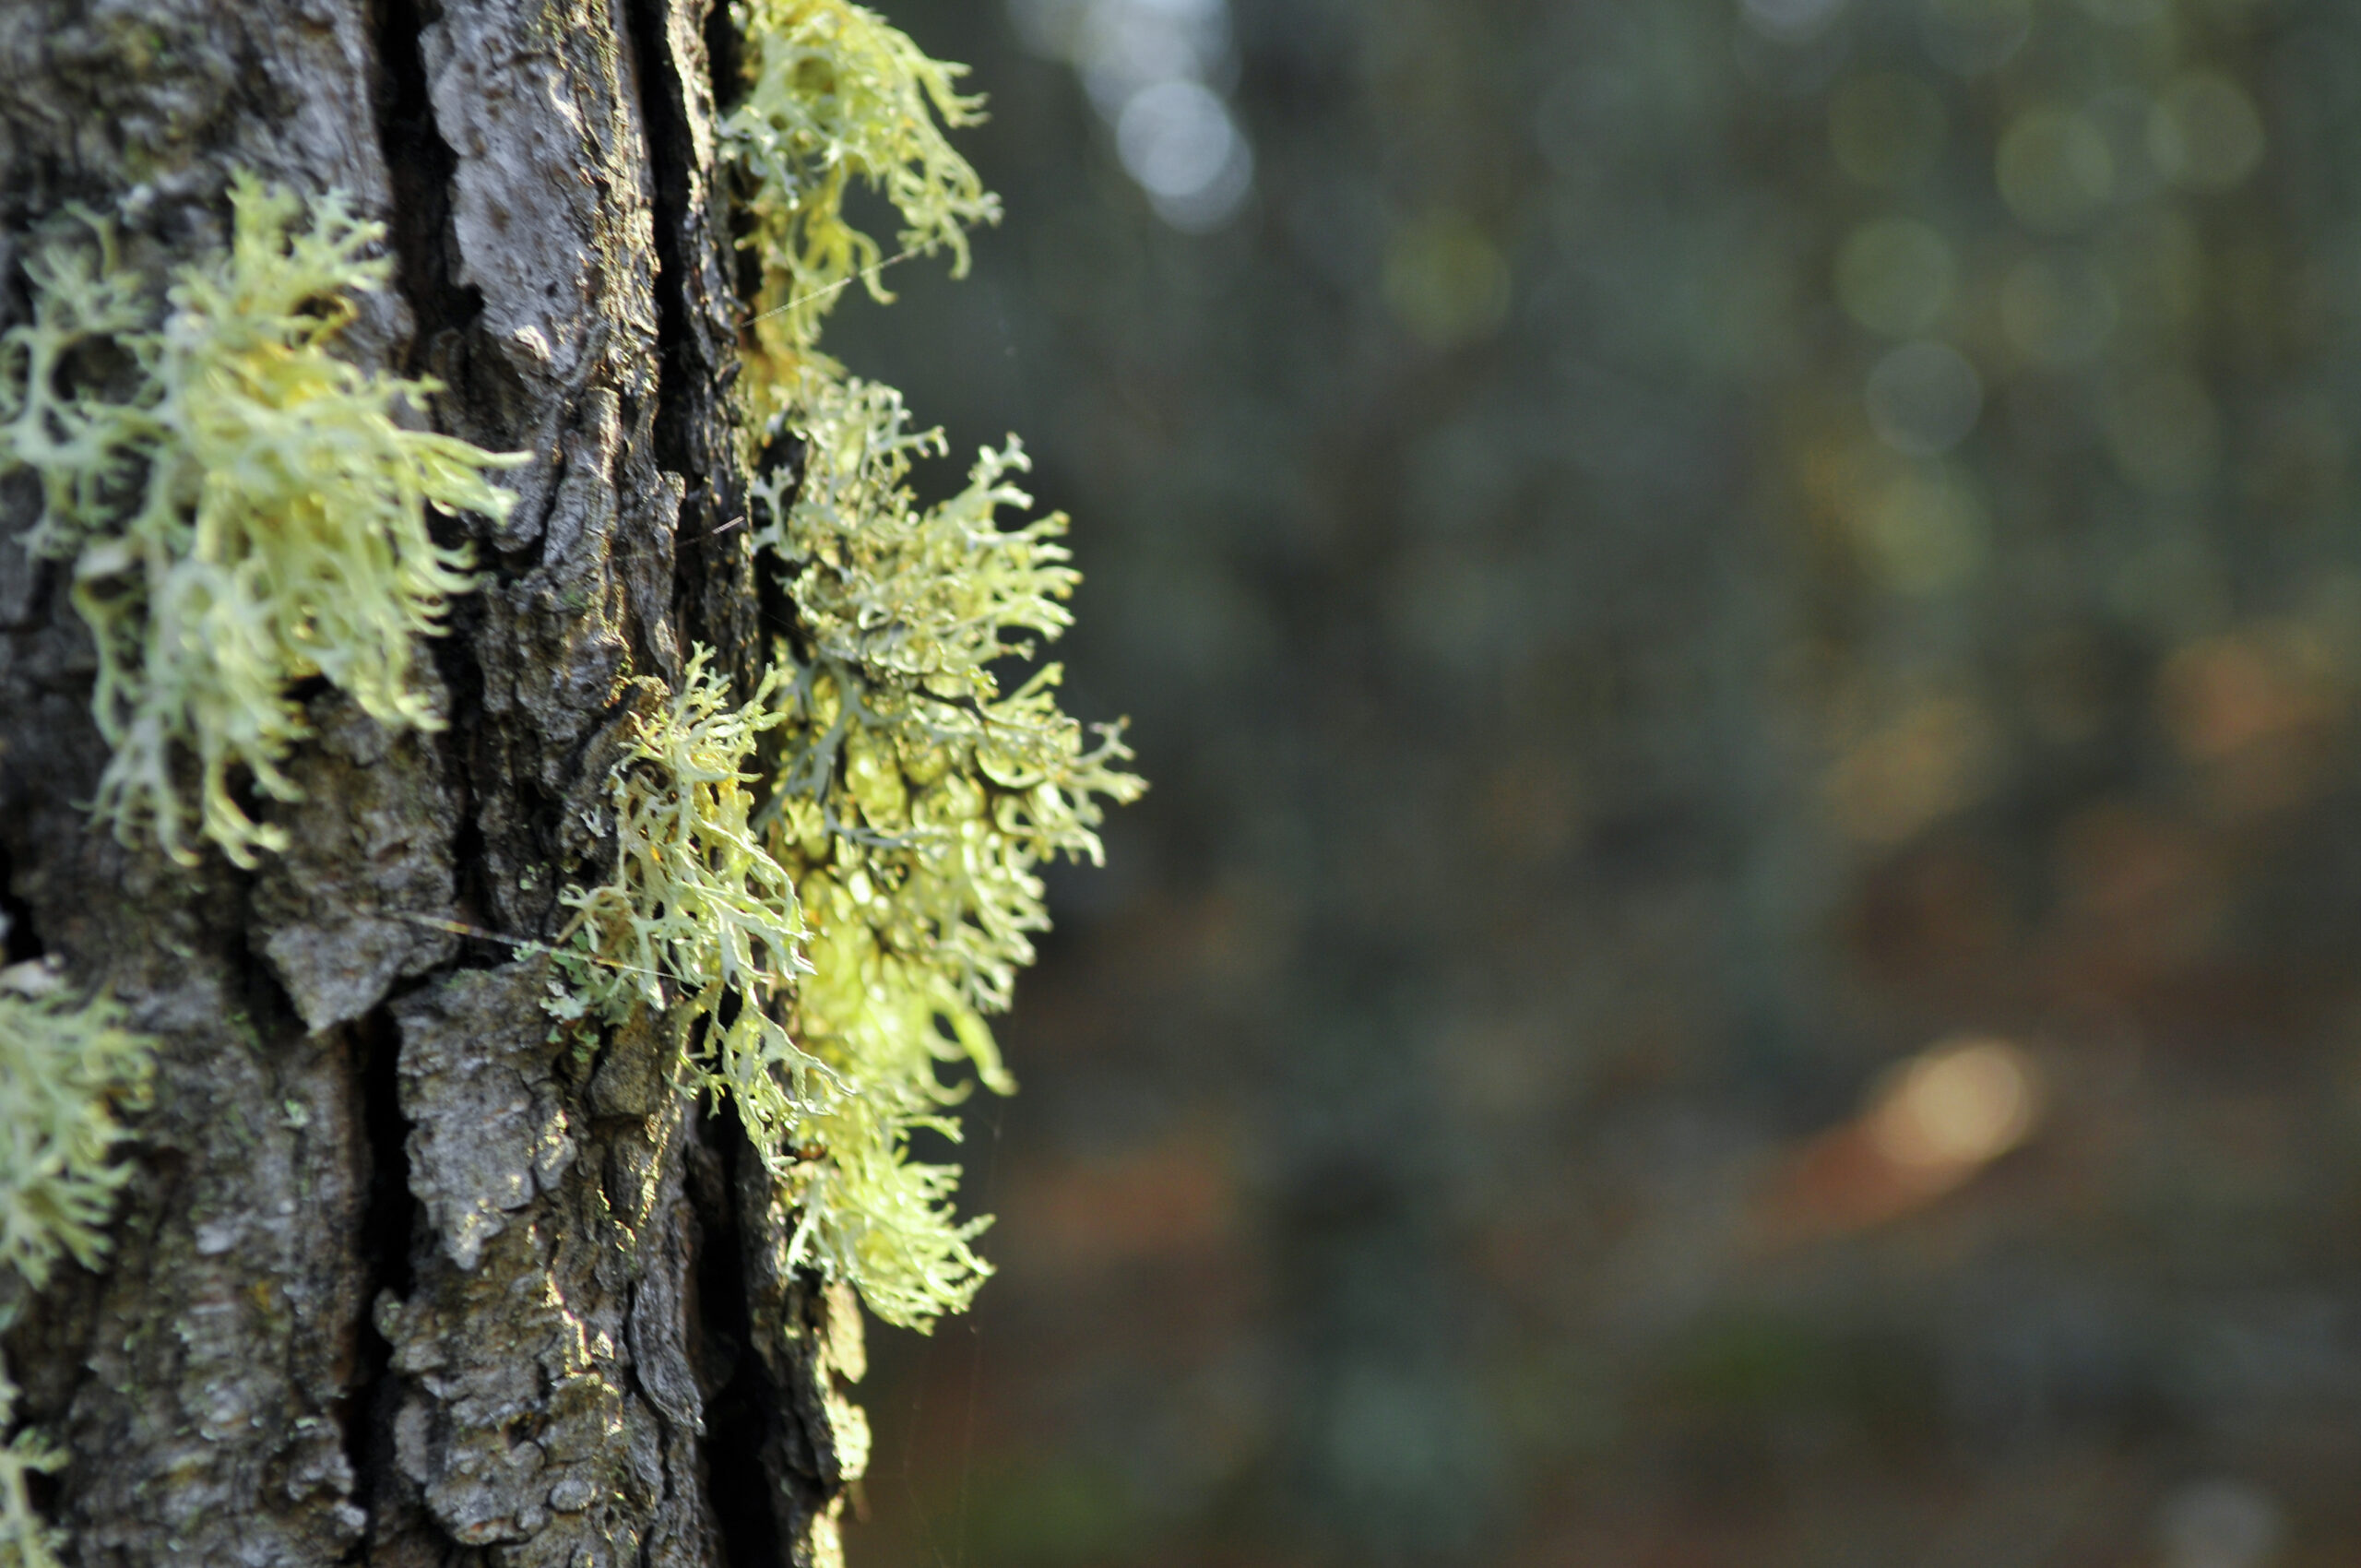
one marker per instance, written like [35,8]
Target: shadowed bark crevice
[725,54]
[693,427]
[20,939]
[663,118]
[791,453]
[389,1232]
[741,1415]
[418,166]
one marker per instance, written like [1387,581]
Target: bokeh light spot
[1895,276]
[1154,70]
[1923,398]
[1963,1104]
[2205,133]
[1925,534]
[2054,169]
[1444,280]
[1177,139]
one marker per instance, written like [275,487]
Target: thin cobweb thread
[460,928]
[845,282]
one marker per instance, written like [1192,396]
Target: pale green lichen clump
[834,95]
[698,919]
[64,1071]
[915,804]
[915,800]
[241,508]
[821,957]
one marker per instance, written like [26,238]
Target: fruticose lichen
[834,94]
[65,1069]
[699,923]
[890,883]
[915,802]
[823,939]
[240,507]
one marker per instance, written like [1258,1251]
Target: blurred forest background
[1746,945]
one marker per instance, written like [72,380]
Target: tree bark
[399,1280]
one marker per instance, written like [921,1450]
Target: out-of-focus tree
[1747,616]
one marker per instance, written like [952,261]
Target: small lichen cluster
[240,507]
[900,835]
[834,95]
[65,1069]
[915,804]
[699,923]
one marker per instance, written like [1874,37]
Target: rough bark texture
[400,1280]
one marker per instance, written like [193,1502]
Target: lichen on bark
[360,1302]
[404,1275]
[913,799]
[237,506]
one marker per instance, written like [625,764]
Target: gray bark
[399,1279]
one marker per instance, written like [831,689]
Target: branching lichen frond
[698,918]
[834,95]
[880,901]
[915,802]
[27,1540]
[65,1069]
[934,595]
[241,508]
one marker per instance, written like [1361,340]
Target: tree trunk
[398,1278]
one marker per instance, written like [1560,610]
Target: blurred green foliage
[1670,559]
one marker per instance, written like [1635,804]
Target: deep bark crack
[694,437]
[389,1234]
[682,406]
[20,942]
[420,166]
[741,1415]
[664,121]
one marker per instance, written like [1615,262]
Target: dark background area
[1744,619]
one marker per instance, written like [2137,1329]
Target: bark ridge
[397,1279]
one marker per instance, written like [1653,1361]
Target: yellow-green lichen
[915,802]
[834,95]
[914,799]
[241,508]
[699,921]
[904,750]
[65,1069]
